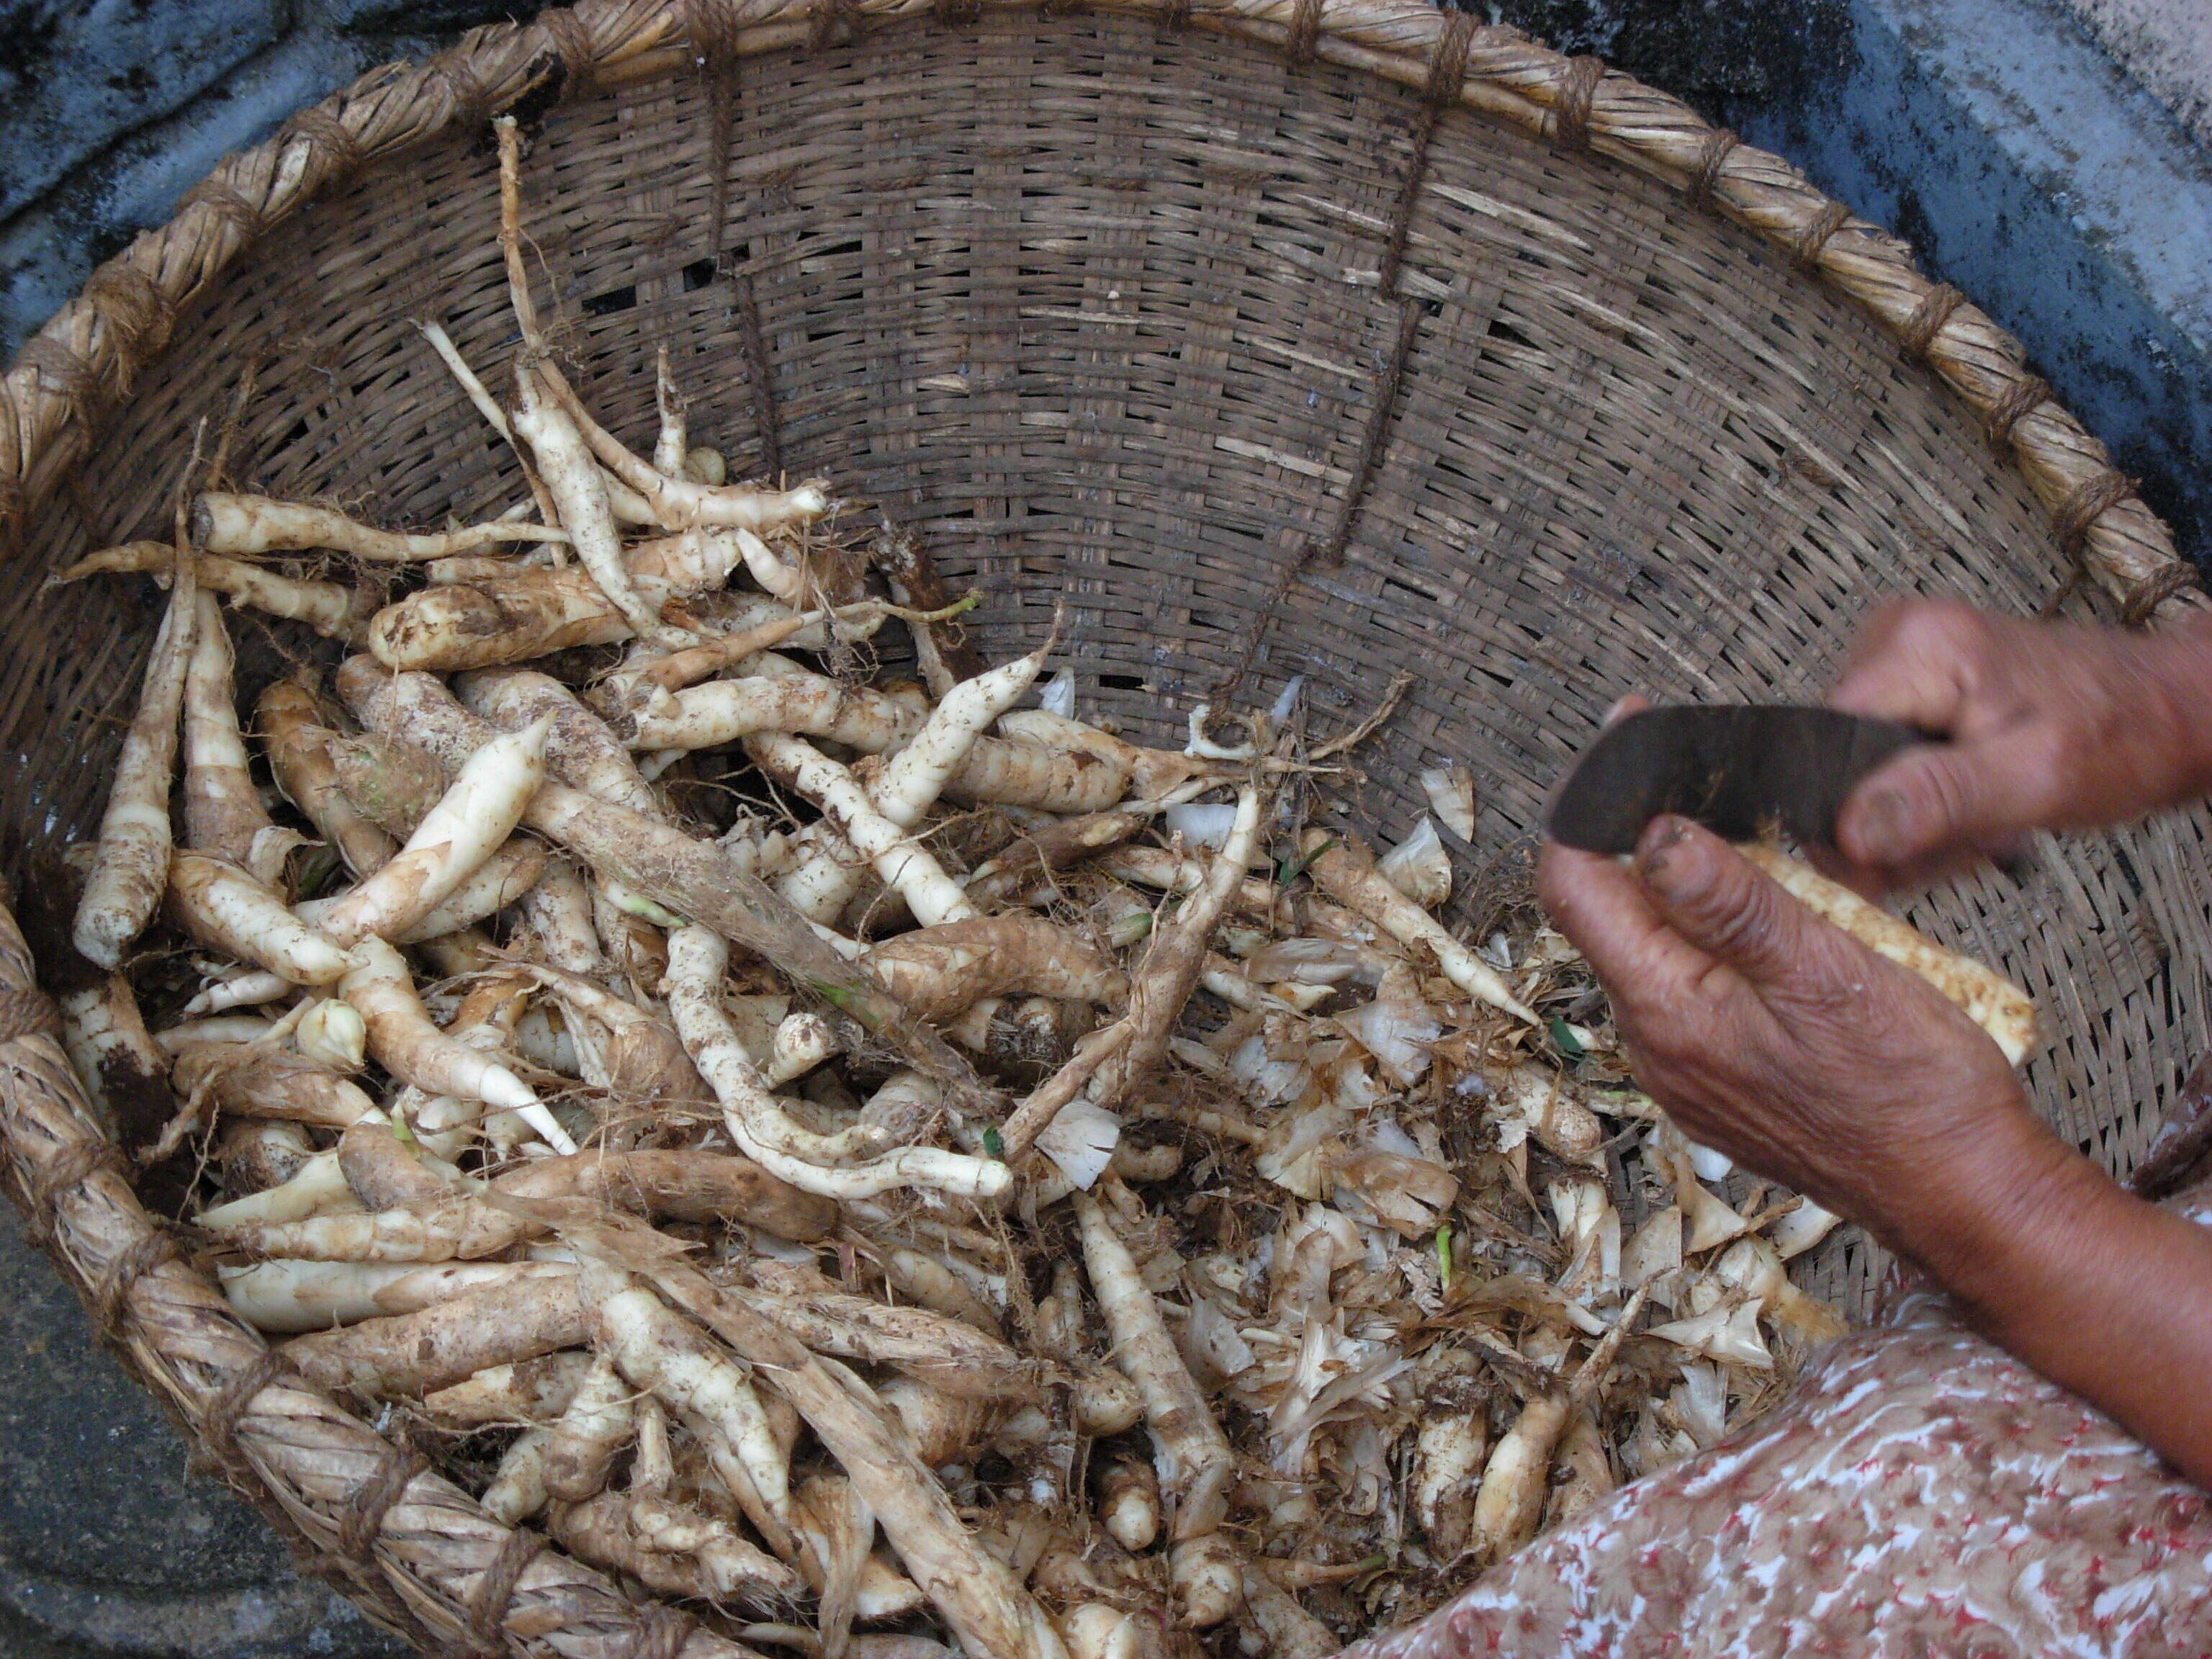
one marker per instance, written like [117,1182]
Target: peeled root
[1992,1002]
[943,1428]
[983,1603]
[584,1440]
[579,748]
[1510,1501]
[558,911]
[124,1071]
[1291,1632]
[1450,1448]
[692,878]
[697,959]
[949,1354]
[526,1391]
[678,503]
[1109,1064]
[679,1186]
[454,1230]
[909,784]
[1191,1454]
[1129,1502]
[904,864]
[659,1350]
[319,1186]
[254,989]
[221,906]
[516,615]
[620,1048]
[517,1490]
[798,703]
[511,870]
[671,1548]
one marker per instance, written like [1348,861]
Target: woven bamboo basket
[1271,337]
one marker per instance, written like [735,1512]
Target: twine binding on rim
[2016,402]
[1927,321]
[1578,96]
[1817,234]
[1712,155]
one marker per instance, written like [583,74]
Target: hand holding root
[1781,1041]
[2051,727]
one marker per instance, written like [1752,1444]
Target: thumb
[1935,799]
[1722,904]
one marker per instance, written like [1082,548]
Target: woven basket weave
[1273,336]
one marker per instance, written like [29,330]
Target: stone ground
[2016,155]
[108,1548]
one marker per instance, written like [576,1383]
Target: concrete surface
[2166,44]
[108,1548]
[2029,170]
[2066,196]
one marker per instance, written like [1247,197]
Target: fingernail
[1654,860]
[1884,822]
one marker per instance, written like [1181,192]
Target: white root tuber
[658,1349]
[308,1295]
[331,608]
[406,1045]
[250,525]
[470,821]
[224,907]
[1349,877]
[223,814]
[579,748]
[1192,1456]
[581,1449]
[292,721]
[131,863]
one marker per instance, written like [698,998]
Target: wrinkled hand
[2052,726]
[1774,1037]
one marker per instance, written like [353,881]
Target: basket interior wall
[1094,307]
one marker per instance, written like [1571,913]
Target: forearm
[2107,1295]
[2176,667]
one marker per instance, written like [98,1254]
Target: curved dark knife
[1739,771]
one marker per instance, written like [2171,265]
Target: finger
[1602,907]
[1933,803]
[1720,904]
[1871,883]
[1623,708]
[1911,664]
[1874,883]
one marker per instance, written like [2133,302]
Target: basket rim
[415,1551]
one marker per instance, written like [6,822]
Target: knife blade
[1738,770]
